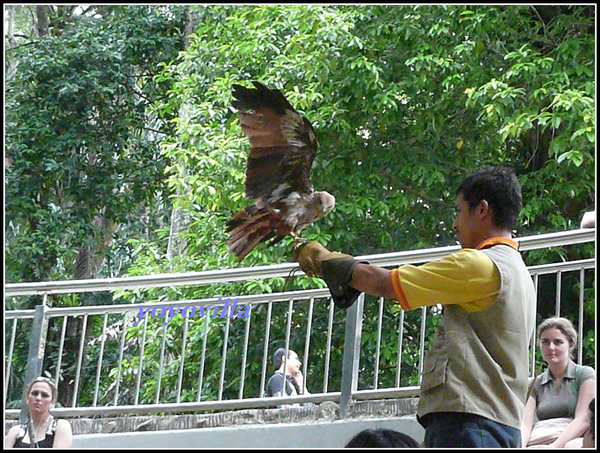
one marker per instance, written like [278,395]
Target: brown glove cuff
[337,273]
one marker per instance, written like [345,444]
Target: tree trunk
[179,220]
[11,63]
[42,25]
[11,25]
[89,263]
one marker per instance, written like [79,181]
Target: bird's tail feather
[247,228]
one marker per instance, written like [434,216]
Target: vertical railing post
[580,323]
[352,338]
[37,346]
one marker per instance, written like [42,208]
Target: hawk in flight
[283,147]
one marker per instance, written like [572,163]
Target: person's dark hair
[278,357]
[498,186]
[382,438]
[592,418]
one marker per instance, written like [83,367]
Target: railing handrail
[270,271]
[539,269]
[122,308]
[565,266]
[245,403]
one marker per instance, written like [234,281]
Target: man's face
[293,363]
[466,224]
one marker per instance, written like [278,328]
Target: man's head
[292,364]
[382,438]
[488,202]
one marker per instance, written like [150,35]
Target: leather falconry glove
[335,268]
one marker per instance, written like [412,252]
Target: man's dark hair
[278,357]
[382,438]
[498,186]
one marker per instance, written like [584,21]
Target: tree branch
[154,130]
[548,37]
[21,45]
[540,18]
[139,93]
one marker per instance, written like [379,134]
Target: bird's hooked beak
[328,202]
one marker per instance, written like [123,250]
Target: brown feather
[283,147]
[252,230]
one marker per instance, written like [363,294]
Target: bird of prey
[283,148]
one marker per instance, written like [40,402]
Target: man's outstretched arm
[373,280]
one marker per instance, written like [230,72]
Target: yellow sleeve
[467,277]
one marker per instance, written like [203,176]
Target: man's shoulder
[472,260]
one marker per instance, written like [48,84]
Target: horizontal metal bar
[541,269]
[21,314]
[149,281]
[566,266]
[560,238]
[525,243]
[271,271]
[404,392]
[248,403]
[134,308]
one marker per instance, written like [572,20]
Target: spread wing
[283,143]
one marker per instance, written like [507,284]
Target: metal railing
[123,364]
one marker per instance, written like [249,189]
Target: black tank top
[46,442]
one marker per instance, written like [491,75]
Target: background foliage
[124,156]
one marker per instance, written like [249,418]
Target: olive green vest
[478,362]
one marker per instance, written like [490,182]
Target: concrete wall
[292,426]
[321,434]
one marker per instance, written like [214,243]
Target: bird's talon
[299,242]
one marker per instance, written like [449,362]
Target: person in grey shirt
[294,381]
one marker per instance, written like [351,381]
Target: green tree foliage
[85,158]
[405,100]
[85,171]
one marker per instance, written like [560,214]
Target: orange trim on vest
[498,240]
[399,291]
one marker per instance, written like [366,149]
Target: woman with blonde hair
[556,414]
[41,430]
